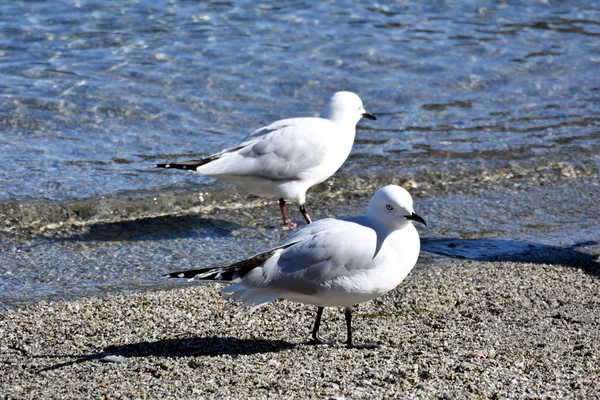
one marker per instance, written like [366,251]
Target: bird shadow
[172,348]
[157,228]
[515,251]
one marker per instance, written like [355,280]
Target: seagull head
[392,206]
[345,107]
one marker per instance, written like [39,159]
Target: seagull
[284,159]
[330,263]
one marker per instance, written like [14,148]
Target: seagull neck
[382,232]
[337,118]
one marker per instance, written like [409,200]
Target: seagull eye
[389,207]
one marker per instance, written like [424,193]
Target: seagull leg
[305,214]
[286,223]
[316,339]
[349,342]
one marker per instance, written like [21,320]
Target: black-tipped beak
[368,115]
[415,217]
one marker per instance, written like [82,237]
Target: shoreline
[486,222]
[31,219]
[457,328]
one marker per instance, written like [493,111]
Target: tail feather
[253,298]
[231,272]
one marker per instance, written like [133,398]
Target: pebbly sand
[453,329]
[522,325]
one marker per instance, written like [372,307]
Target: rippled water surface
[92,93]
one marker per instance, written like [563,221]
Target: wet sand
[453,329]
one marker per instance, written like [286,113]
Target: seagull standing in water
[330,263]
[284,159]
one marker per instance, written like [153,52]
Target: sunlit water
[92,93]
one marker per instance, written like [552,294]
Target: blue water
[92,93]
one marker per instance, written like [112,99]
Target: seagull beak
[415,217]
[368,115]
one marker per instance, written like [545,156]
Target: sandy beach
[454,329]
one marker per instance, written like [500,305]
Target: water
[93,93]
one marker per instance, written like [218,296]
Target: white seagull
[330,263]
[284,159]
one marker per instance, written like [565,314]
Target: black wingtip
[181,274]
[187,165]
[231,272]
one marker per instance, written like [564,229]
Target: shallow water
[133,255]
[93,93]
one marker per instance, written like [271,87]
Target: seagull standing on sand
[284,159]
[330,263]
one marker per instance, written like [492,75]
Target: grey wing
[329,249]
[266,130]
[281,151]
